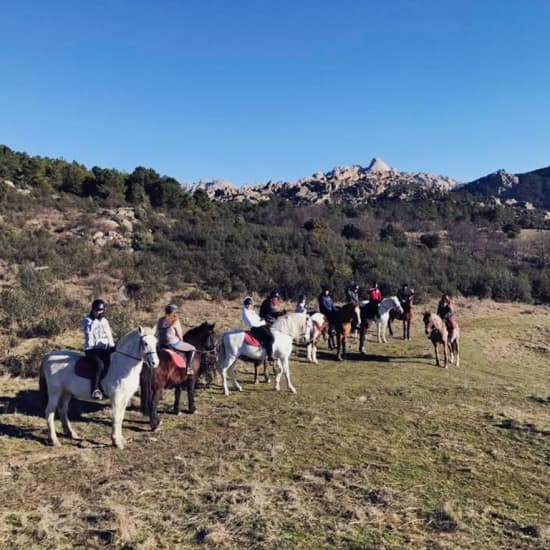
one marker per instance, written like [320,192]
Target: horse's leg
[343,340]
[119,401]
[177,397]
[64,415]
[445,357]
[156,397]
[278,373]
[455,343]
[236,385]
[53,399]
[286,371]
[362,331]
[390,327]
[256,365]
[339,346]
[266,371]
[436,354]
[383,325]
[191,383]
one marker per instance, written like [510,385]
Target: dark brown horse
[168,375]
[341,320]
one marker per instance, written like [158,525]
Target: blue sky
[252,90]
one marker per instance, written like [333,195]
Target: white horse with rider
[60,381]
[381,317]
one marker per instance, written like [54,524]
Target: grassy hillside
[378,451]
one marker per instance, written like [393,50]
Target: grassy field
[379,451]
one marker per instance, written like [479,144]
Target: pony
[384,308]
[406,318]
[171,374]
[234,345]
[342,320]
[436,330]
[60,380]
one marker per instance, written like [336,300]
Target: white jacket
[97,333]
[250,318]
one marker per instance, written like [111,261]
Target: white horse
[384,308]
[284,330]
[59,382]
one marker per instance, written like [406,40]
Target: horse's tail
[42,387]
[146,389]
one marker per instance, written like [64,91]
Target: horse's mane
[123,340]
[196,333]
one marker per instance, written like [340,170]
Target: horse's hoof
[193,410]
[55,443]
[292,390]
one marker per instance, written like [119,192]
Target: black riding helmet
[171,308]
[98,305]
[302,298]
[274,294]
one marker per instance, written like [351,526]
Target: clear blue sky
[254,90]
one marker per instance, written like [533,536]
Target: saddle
[251,340]
[177,358]
[86,369]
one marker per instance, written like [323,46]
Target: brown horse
[341,320]
[406,317]
[169,375]
[437,332]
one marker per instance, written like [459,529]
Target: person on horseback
[98,343]
[269,309]
[375,297]
[258,326]
[301,304]
[352,293]
[405,296]
[327,308]
[445,311]
[170,333]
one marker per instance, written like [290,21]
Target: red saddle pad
[177,358]
[250,340]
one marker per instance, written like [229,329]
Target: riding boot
[189,357]
[97,394]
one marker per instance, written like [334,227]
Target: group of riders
[99,342]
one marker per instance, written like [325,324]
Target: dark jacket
[268,311]
[326,305]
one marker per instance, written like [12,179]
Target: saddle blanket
[250,340]
[84,368]
[177,358]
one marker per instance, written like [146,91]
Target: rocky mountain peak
[377,165]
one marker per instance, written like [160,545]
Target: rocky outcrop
[352,184]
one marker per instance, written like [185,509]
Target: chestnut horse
[437,332]
[406,317]
[169,375]
[341,320]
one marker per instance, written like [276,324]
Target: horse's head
[397,305]
[148,344]
[428,321]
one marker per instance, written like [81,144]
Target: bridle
[146,355]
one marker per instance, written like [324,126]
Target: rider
[301,304]
[375,297]
[98,343]
[269,309]
[170,335]
[258,326]
[445,311]
[327,307]
[352,293]
[405,295]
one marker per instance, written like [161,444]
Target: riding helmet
[302,298]
[171,308]
[98,305]
[247,301]
[274,294]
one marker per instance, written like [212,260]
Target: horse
[65,374]
[172,373]
[384,308]
[342,320]
[406,318]
[437,332]
[321,327]
[234,345]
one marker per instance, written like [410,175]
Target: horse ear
[140,330]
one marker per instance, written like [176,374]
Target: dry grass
[383,451]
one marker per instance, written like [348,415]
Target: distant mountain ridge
[356,184]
